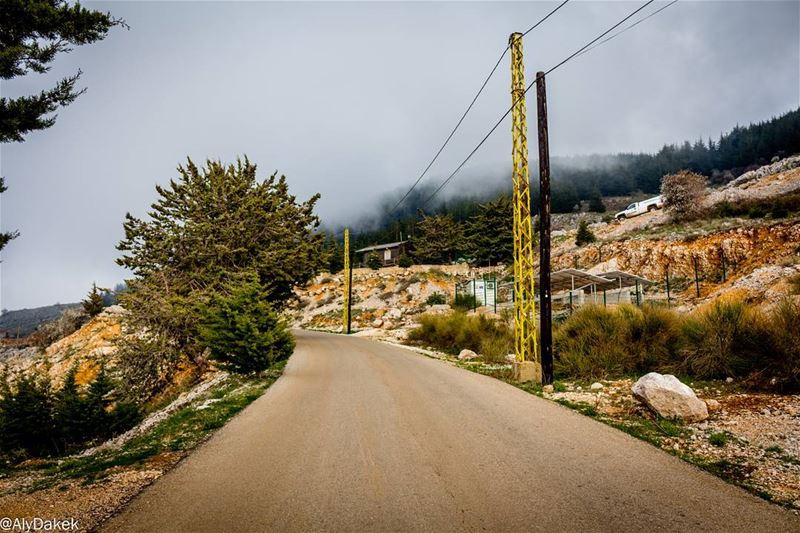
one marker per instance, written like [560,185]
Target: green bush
[405,261]
[437,298]
[725,338]
[783,328]
[36,420]
[242,330]
[593,343]
[374,261]
[597,342]
[465,302]
[457,331]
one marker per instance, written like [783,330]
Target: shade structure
[618,279]
[573,279]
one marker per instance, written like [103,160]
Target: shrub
[794,283]
[69,322]
[465,302]
[242,330]
[436,298]
[725,338]
[593,344]
[405,261]
[457,331]
[683,193]
[597,342]
[584,235]
[783,327]
[374,261]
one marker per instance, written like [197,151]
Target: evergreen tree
[94,302]
[5,237]
[490,233]
[205,229]
[26,414]
[584,235]
[69,411]
[333,253]
[32,33]
[596,202]
[438,239]
[242,329]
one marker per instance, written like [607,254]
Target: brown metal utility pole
[545,305]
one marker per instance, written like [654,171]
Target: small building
[389,253]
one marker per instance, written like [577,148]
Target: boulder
[665,395]
[549,389]
[713,405]
[394,313]
[466,355]
[596,386]
[377,323]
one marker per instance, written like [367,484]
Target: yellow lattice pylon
[346,276]
[525,343]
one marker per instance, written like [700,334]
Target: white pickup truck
[640,208]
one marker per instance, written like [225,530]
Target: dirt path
[360,436]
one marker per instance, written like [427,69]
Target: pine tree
[242,329]
[438,239]
[333,253]
[33,32]
[94,302]
[490,233]
[584,235]
[596,202]
[72,421]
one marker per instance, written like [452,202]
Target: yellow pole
[346,276]
[525,344]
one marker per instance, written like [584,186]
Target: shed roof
[381,246]
[566,279]
[619,279]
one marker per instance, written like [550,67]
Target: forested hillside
[590,177]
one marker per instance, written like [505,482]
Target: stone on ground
[669,398]
[596,386]
[467,355]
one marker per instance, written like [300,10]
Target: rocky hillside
[89,347]
[387,299]
[756,257]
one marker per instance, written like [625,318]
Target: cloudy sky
[352,100]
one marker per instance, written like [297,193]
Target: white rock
[510,358]
[596,386]
[377,323]
[467,355]
[669,398]
[728,380]
[394,313]
[548,389]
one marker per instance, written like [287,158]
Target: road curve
[361,436]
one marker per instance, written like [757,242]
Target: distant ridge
[23,322]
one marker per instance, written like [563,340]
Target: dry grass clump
[457,331]
[726,338]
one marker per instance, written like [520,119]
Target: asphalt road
[361,436]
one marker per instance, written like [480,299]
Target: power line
[469,108]
[543,19]
[623,30]
[497,124]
